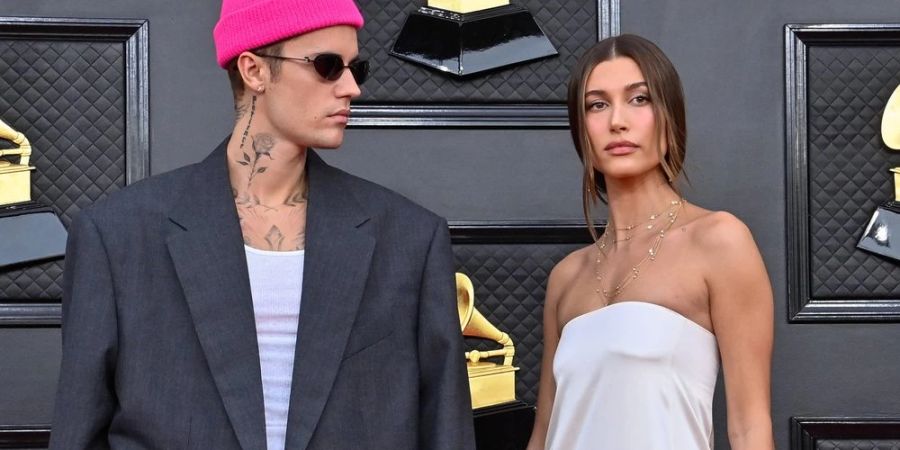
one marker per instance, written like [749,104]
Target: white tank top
[633,375]
[276,282]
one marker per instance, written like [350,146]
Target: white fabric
[276,283]
[633,375]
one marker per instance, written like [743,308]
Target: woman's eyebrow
[628,87]
[635,85]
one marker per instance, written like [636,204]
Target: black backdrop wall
[833,381]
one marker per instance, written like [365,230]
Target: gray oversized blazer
[159,341]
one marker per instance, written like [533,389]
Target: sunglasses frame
[359,68]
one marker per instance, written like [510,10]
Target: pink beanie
[248,24]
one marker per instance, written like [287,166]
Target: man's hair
[667,100]
[234,75]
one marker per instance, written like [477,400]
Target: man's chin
[328,143]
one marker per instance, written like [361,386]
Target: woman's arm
[547,385]
[741,307]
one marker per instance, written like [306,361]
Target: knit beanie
[248,24]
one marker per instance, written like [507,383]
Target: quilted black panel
[571,25]
[848,167]
[873,444]
[68,98]
[510,282]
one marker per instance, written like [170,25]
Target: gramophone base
[471,43]
[15,184]
[504,427]
[491,384]
[882,235]
[30,232]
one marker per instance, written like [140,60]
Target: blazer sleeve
[444,403]
[85,398]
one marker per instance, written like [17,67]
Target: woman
[634,325]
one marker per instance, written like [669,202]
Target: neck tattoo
[249,121]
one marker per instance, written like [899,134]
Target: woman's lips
[620,148]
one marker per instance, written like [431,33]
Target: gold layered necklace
[670,214]
[645,226]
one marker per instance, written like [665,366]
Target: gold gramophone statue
[15,177]
[489,383]
[29,231]
[883,230]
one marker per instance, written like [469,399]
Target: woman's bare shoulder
[573,262]
[567,270]
[721,236]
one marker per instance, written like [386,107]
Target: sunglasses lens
[359,70]
[329,66]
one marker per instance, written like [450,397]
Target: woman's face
[619,120]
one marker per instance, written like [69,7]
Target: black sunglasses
[330,66]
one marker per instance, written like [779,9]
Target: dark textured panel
[68,97]
[848,87]
[571,26]
[867,444]
[510,282]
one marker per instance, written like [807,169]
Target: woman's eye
[596,106]
[641,99]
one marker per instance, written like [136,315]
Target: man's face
[303,107]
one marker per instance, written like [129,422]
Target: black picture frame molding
[806,431]
[134,35]
[802,307]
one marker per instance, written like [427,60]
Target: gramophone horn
[478,326]
[890,121]
[465,295]
[471,321]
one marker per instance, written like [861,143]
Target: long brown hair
[667,100]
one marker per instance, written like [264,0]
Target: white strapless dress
[633,375]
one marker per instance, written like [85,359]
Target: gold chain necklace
[673,205]
[635,269]
[651,218]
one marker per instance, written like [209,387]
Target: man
[262,299]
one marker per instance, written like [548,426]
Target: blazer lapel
[206,246]
[338,253]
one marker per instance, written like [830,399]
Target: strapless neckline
[633,374]
[641,304]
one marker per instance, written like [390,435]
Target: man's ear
[254,71]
